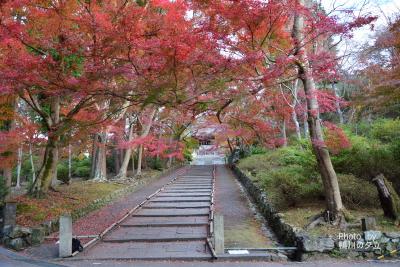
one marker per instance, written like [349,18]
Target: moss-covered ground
[78,195]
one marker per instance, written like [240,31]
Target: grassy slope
[292,184]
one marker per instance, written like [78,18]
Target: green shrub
[357,193]
[82,171]
[190,144]
[26,169]
[81,167]
[290,186]
[255,150]
[367,158]
[395,149]
[386,130]
[362,128]
[299,156]
[156,164]
[287,174]
[256,163]
[290,177]
[187,155]
[62,173]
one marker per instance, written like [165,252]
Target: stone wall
[369,244]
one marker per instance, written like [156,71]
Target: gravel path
[242,227]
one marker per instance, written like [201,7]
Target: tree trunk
[9,126]
[388,197]
[284,135]
[69,162]
[294,104]
[169,162]
[48,169]
[329,179]
[296,124]
[93,156]
[99,163]
[19,164]
[32,163]
[145,132]
[337,104]
[127,156]
[305,125]
[133,161]
[139,164]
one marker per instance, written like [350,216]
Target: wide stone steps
[172,224]
[196,194]
[172,212]
[190,250]
[157,234]
[165,221]
[180,199]
[177,205]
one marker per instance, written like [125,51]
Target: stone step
[190,250]
[171,212]
[193,179]
[176,205]
[180,199]
[168,194]
[188,178]
[187,191]
[208,191]
[193,183]
[157,234]
[206,176]
[165,221]
[187,187]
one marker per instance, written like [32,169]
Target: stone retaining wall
[369,244]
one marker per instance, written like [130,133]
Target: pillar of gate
[65,246]
[218,226]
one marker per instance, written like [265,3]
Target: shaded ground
[95,222]
[243,228]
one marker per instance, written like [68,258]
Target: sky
[384,9]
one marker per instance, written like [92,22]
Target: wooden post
[65,246]
[219,234]
[368,223]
